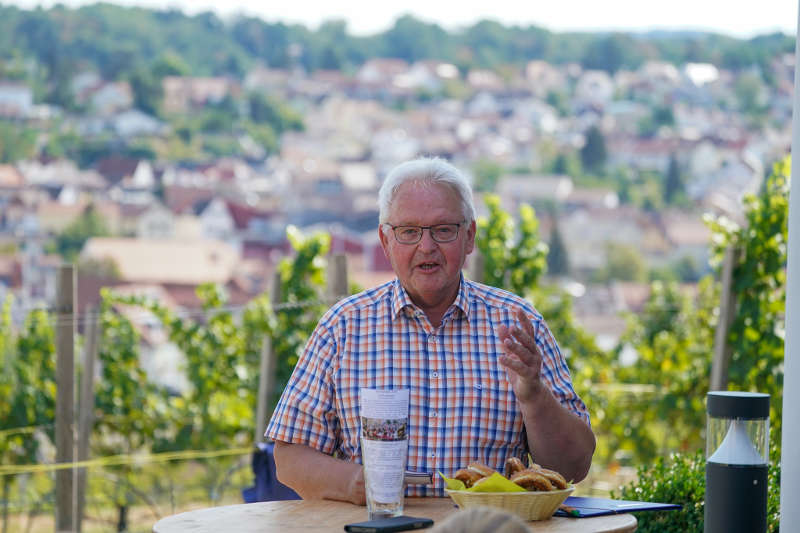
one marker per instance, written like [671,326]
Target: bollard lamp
[737,460]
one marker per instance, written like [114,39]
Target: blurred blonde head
[481,520]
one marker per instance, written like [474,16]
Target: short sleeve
[556,372]
[305,413]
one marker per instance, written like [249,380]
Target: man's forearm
[315,475]
[558,439]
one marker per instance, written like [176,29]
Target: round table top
[329,516]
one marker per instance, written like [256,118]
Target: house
[641,153]
[183,93]
[482,104]
[359,176]
[133,123]
[110,97]
[133,180]
[380,71]
[688,236]
[54,216]
[10,272]
[592,198]
[83,83]
[263,78]
[180,198]
[485,80]
[115,168]
[165,261]
[536,190]
[587,233]
[216,220]
[56,173]
[16,100]
[594,88]
[254,224]
[426,75]
[156,222]
[542,78]
[10,178]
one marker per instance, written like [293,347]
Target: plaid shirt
[461,406]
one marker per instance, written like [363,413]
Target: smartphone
[395,523]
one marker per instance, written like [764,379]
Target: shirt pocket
[491,410]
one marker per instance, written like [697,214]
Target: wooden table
[329,516]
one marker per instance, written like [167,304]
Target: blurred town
[673,141]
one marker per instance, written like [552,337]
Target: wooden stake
[86,404]
[266,377]
[727,312]
[337,277]
[65,398]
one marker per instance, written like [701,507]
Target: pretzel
[530,479]
[467,476]
[533,478]
[513,465]
[556,479]
[481,469]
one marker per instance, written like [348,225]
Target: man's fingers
[525,324]
[515,365]
[525,333]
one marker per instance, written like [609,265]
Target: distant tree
[411,39]
[624,263]
[487,173]
[559,100]
[751,93]
[169,64]
[557,256]
[105,268]
[593,152]
[673,183]
[70,242]
[610,53]
[278,115]
[15,142]
[663,116]
[567,164]
[147,90]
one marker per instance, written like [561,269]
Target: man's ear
[384,240]
[471,237]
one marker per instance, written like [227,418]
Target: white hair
[431,170]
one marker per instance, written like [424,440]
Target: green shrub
[681,479]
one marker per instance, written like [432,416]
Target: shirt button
[433,414]
[435,375]
[433,455]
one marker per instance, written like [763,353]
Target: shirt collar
[401,301]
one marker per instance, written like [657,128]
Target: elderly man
[487,380]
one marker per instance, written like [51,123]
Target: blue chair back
[267,488]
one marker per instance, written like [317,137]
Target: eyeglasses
[413,234]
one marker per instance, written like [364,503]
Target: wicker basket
[528,505]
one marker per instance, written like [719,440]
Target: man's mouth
[427,266]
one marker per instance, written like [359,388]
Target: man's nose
[426,242]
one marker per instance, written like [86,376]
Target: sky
[731,17]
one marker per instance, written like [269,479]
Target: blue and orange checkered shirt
[461,406]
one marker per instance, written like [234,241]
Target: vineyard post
[727,313]
[337,278]
[65,397]
[266,377]
[86,403]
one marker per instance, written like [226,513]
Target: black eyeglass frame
[422,230]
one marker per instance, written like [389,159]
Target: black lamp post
[737,459]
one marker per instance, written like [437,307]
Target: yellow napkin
[495,483]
